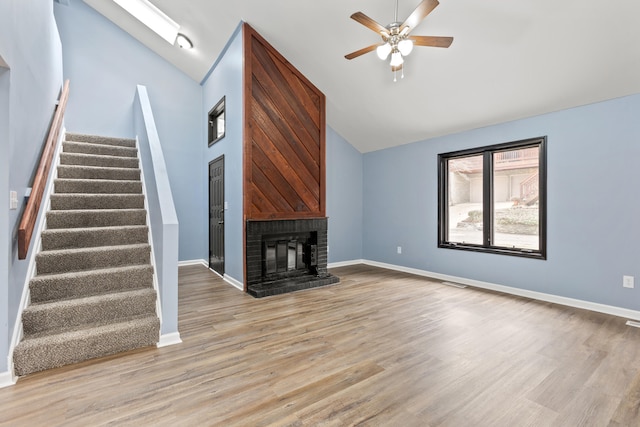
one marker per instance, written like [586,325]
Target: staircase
[93,292]
[529,189]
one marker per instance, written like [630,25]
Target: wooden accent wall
[284,137]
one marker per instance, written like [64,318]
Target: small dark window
[216,122]
[493,199]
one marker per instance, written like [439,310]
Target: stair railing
[529,188]
[30,214]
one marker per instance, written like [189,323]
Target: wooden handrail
[28,221]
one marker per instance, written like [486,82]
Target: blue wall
[30,45]
[104,64]
[592,214]
[225,79]
[344,198]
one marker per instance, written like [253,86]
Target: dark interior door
[216,215]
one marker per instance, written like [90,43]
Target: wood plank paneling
[286,129]
[269,139]
[286,90]
[281,133]
[276,188]
[284,142]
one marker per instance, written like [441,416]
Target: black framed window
[493,199]
[216,123]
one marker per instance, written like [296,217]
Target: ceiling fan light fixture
[396,59]
[383,51]
[395,36]
[405,47]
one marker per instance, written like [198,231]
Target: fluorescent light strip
[152,17]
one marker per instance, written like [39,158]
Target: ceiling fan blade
[419,14]
[361,51]
[433,41]
[369,23]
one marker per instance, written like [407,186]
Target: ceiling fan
[395,36]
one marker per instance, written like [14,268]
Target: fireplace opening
[288,255]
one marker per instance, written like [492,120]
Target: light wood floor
[381,348]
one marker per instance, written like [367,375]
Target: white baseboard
[233,282]
[169,339]
[345,263]
[7,379]
[230,280]
[216,273]
[193,262]
[570,302]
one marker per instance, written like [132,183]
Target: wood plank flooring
[381,348]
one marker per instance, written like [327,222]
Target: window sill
[498,251]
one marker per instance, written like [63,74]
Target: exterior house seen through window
[493,199]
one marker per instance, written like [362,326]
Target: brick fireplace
[286,255]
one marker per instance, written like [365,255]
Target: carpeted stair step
[121,142]
[68,238]
[99,186]
[75,201]
[95,218]
[58,316]
[98,149]
[93,293]
[93,160]
[96,172]
[65,260]
[78,284]
[51,351]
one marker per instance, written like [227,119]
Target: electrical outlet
[627,281]
[399,249]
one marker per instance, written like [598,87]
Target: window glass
[216,122]
[220,125]
[516,213]
[465,200]
[492,199]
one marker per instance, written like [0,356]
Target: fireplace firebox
[286,255]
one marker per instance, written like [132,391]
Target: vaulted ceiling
[509,59]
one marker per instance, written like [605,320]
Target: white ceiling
[508,60]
